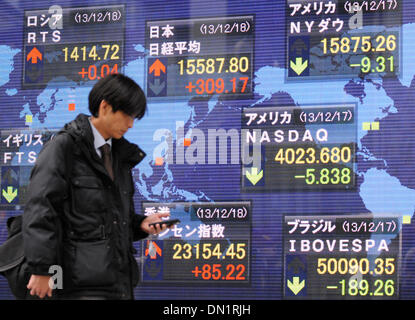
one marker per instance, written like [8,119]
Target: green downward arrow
[296,286]
[299,66]
[254,176]
[10,194]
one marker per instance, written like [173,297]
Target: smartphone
[169,223]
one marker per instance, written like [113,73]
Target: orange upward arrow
[153,255]
[156,67]
[34,54]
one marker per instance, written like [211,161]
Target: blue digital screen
[280,133]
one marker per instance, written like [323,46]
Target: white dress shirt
[99,140]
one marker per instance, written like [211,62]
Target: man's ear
[104,107]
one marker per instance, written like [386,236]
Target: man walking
[80,212]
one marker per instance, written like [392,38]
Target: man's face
[113,124]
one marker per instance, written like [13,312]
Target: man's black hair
[121,92]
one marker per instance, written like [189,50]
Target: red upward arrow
[34,54]
[156,67]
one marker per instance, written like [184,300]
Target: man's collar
[99,140]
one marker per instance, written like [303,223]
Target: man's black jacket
[77,217]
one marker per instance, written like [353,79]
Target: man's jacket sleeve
[137,219]
[43,209]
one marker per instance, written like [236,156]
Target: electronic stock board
[278,132]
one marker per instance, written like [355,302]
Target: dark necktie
[106,156]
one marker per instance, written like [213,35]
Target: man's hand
[39,286]
[151,219]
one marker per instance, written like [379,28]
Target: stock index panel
[278,132]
